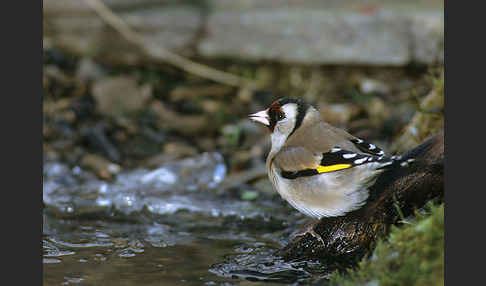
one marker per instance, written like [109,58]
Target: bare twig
[158,53]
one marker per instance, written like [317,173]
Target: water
[173,225]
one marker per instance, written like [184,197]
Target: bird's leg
[309,228]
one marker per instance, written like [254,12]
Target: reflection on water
[144,228]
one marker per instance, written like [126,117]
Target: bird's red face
[270,116]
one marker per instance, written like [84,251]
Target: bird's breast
[327,194]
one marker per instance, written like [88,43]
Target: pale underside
[327,194]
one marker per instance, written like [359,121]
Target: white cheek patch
[290,110]
[284,127]
[287,124]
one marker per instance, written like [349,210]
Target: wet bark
[396,194]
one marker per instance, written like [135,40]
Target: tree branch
[395,194]
[159,54]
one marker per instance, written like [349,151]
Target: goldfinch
[321,170]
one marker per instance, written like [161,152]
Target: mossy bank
[413,254]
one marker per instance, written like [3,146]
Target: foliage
[412,255]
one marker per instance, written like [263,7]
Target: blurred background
[153,175]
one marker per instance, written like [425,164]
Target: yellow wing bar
[330,168]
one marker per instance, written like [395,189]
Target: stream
[171,225]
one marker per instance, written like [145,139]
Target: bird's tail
[396,161]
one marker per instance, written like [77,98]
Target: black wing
[339,159]
[366,147]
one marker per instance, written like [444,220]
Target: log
[395,195]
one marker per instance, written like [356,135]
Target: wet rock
[102,167]
[244,177]
[183,124]
[59,182]
[265,186]
[231,135]
[172,151]
[241,159]
[165,190]
[49,154]
[259,264]
[245,141]
[253,135]
[204,171]
[211,106]
[69,116]
[53,107]
[128,125]
[181,149]
[426,121]
[206,144]
[373,86]
[120,96]
[52,72]
[96,137]
[89,70]
[377,111]
[245,95]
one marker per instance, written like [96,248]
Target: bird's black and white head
[283,117]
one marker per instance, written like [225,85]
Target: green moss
[413,255]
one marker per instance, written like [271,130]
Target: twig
[160,54]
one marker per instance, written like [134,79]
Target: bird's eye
[280,116]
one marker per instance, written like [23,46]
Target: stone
[338,114]
[89,70]
[383,33]
[101,166]
[308,37]
[120,95]
[372,86]
[427,32]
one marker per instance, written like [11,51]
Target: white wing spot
[359,140]
[349,156]
[387,163]
[381,153]
[359,161]
[335,149]
[372,147]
